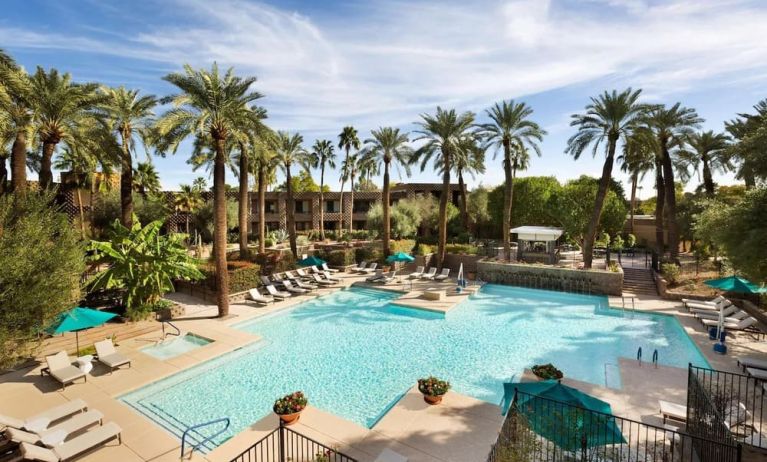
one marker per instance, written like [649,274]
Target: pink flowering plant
[432,386]
[290,403]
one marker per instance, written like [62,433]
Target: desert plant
[547,372]
[671,272]
[291,403]
[432,386]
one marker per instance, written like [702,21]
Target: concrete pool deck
[460,429]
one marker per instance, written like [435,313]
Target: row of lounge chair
[708,313]
[61,366]
[58,434]
[430,274]
[281,286]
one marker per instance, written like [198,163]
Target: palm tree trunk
[660,201]
[261,208]
[507,196]
[668,178]
[3,174]
[126,184]
[82,213]
[244,204]
[634,178]
[46,175]
[322,201]
[443,198]
[219,230]
[749,178]
[464,208]
[386,212]
[341,203]
[351,190]
[708,181]
[604,183]
[291,214]
[19,163]
[187,226]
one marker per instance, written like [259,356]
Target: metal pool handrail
[206,439]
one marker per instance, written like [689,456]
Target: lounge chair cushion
[9,421]
[673,410]
[87,440]
[67,374]
[757,373]
[114,360]
[42,420]
[32,452]
[752,362]
[60,360]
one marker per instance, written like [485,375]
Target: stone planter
[433,400]
[171,313]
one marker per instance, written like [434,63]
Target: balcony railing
[286,445]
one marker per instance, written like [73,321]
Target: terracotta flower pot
[290,419]
[433,399]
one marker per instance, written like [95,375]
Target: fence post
[282,441]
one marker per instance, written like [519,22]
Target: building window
[302,207]
[270,206]
[332,206]
[331,225]
[361,206]
[303,225]
[359,224]
[272,225]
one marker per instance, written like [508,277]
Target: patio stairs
[639,281]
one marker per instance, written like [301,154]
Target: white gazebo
[529,235]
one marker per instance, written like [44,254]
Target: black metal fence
[726,406]
[286,445]
[538,429]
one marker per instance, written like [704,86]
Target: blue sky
[323,65]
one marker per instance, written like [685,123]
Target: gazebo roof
[537,233]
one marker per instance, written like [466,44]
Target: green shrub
[42,262]
[631,241]
[617,243]
[343,257]
[671,272]
[461,248]
[285,262]
[423,249]
[302,240]
[602,241]
[368,254]
[268,242]
[245,277]
[402,245]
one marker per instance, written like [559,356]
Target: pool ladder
[654,357]
[224,420]
[166,334]
[633,307]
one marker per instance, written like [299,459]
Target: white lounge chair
[760,374]
[429,274]
[714,301]
[108,356]
[370,268]
[740,325]
[707,305]
[255,296]
[292,289]
[329,277]
[304,285]
[322,282]
[56,434]
[443,275]
[74,447]
[416,274]
[60,368]
[43,420]
[674,411]
[750,361]
[302,273]
[728,311]
[328,269]
[278,294]
[387,278]
[361,266]
[735,317]
[374,277]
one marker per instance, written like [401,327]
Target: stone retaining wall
[552,278]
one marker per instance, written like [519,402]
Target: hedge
[368,254]
[403,245]
[243,275]
[342,257]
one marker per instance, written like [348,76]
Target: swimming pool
[354,354]
[176,346]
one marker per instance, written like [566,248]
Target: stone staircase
[639,281]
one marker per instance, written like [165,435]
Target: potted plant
[289,407]
[547,372]
[433,389]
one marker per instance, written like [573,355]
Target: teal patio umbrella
[78,319]
[735,284]
[311,261]
[399,257]
[562,417]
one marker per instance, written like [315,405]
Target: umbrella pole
[77,342]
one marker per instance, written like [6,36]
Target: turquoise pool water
[354,354]
[173,347]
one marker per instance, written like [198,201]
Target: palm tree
[349,168]
[200,184]
[323,155]
[750,134]
[17,102]
[709,152]
[209,105]
[347,140]
[512,131]
[607,118]
[637,160]
[7,134]
[289,152]
[671,127]
[129,117]
[387,146]
[187,201]
[470,159]
[61,107]
[145,179]
[444,133]
[253,132]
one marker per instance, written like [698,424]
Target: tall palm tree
[443,134]
[672,127]
[749,131]
[607,118]
[289,152]
[387,146]
[187,201]
[61,107]
[200,184]
[470,159]
[265,162]
[512,131]
[349,168]
[146,180]
[129,117]
[253,131]
[7,134]
[17,101]
[637,159]
[347,140]
[212,105]
[709,152]
[323,155]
